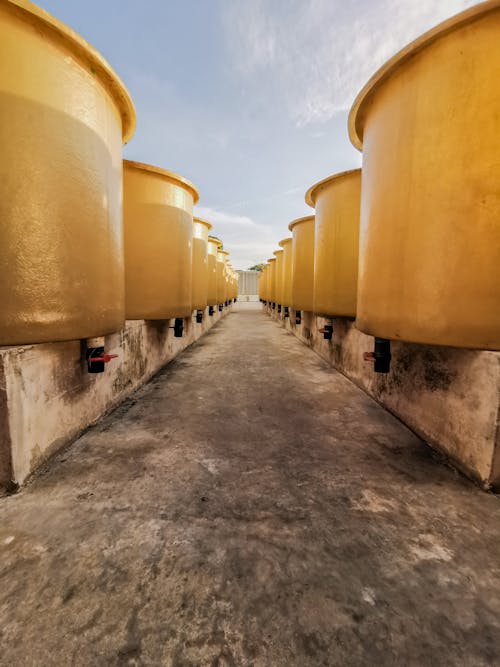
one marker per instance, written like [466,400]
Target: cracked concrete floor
[249,506]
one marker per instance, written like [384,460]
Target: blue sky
[248,98]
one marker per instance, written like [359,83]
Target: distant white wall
[248,284]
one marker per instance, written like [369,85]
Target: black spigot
[220,307]
[279,307]
[199,316]
[287,312]
[211,311]
[327,331]
[298,317]
[178,327]
[381,355]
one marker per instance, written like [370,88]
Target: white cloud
[222,218]
[319,53]
[248,241]
[260,34]
[292,191]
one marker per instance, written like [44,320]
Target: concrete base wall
[244,298]
[47,397]
[448,396]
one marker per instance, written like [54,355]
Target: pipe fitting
[287,312]
[199,316]
[298,317]
[327,331]
[178,327]
[211,311]
[97,359]
[381,355]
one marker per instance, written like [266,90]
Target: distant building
[248,285]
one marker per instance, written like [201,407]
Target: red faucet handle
[104,358]
[369,356]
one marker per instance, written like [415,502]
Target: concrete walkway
[250,506]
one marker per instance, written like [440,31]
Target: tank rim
[355,124]
[85,52]
[216,240]
[297,221]
[284,241]
[203,222]
[170,175]
[311,194]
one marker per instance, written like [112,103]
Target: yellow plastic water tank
[234,284]
[430,204]
[221,275]
[229,279]
[158,226]
[336,201]
[278,268]
[226,276]
[262,283]
[265,292]
[271,285]
[213,244]
[64,114]
[302,262]
[227,273]
[200,264]
[286,244]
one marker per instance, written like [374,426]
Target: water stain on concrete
[249,507]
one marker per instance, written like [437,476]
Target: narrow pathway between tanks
[249,506]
